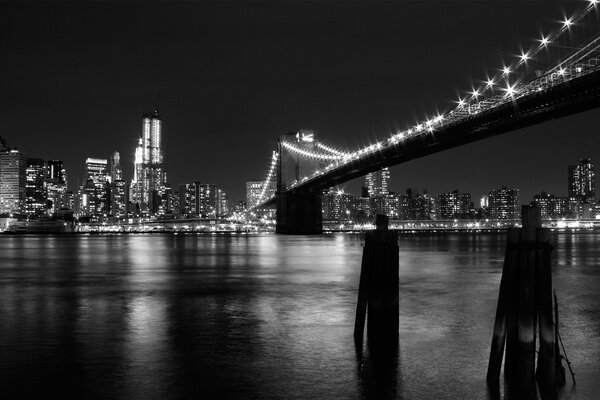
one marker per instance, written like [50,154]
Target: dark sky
[76,78]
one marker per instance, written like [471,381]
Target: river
[265,316]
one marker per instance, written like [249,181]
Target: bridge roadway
[296,206]
[574,96]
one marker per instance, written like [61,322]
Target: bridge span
[516,98]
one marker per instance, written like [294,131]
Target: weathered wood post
[378,288]
[546,362]
[524,367]
[524,303]
[506,306]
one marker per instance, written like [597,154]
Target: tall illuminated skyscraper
[116,173]
[35,189]
[56,185]
[377,182]
[582,182]
[13,181]
[148,185]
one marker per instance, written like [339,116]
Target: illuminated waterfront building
[222,203]
[135,188]
[96,171]
[377,182]
[13,181]
[339,206]
[153,175]
[484,202]
[93,199]
[116,173]
[582,188]
[35,188]
[551,206]
[453,205]
[56,186]
[187,199]
[118,199]
[206,200]
[416,206]
[253,191]
[504,203]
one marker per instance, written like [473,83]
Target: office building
[153,177]
[551,206]
[377,182]
[35,188]
[56,186]
[253,192]
[504,203]
[453,205]
[582,185]
[13,181]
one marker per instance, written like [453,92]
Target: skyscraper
[35,188]
[153,175]
[377,182]
[13,181]
[254,190]
[93,194]
[582,182]
[453,205]
[504,203]
[118,188]
[56,185]
[116,173]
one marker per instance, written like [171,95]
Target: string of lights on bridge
[489,95]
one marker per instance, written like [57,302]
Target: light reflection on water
[160,316]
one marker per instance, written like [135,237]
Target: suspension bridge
[559,75]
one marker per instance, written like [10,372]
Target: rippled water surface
[171,317]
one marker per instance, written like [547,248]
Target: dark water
[255,317]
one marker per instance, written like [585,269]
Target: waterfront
[265,316]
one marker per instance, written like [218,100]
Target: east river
[265,317]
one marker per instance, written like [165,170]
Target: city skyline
[222,110]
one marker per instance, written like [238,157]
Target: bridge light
[475,93]
[490,83]
[510,90]
[524,57]
[561,71]
[506,70]
[568,22]
[461,102]
[545,41]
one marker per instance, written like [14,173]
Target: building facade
[13,181]
[36,194]
[504,203]
[453,205]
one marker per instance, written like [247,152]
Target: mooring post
[526,315]
[378,288]
[506,306]
[546,365]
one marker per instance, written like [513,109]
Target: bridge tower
[298,211]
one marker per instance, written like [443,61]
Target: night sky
[76,78]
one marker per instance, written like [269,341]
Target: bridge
[555,78]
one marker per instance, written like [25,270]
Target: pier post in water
[378,289]
[524,304]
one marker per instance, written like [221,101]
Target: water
[264,317]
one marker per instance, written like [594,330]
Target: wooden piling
[526,314]
[546,373]
[378,288]
[505,303]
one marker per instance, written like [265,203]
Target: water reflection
[161,316]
